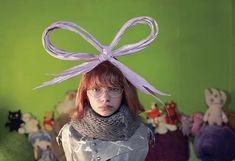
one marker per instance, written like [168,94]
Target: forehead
[104,81]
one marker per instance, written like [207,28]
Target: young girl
[106,125]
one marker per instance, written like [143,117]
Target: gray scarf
[119,126]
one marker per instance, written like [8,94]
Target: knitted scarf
[117,127]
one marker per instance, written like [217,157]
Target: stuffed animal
[41,143]
[197,121]
[48,121]
[14,120]
[68,104]
[30,124]
[215,143]
[215,100]
[152,114]
[172,116]
[162,127]
[186,125]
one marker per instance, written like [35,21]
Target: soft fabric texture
[215,100]
[78,148]
[172,146]
[215,143]
[119,126]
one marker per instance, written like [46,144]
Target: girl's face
[105,100]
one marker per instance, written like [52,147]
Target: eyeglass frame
[103,90]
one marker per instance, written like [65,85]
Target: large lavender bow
[106,53]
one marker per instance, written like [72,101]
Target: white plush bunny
[215,100]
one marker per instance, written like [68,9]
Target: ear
[207,94]
[223,95]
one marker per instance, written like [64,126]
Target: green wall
[194,49]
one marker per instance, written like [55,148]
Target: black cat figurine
[14,121]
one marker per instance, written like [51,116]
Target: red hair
[106,75]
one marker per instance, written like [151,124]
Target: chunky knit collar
[117,127]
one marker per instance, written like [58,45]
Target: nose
[105,96]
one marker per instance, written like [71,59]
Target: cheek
[117,102]
[93,102]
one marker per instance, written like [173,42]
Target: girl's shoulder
[67,132]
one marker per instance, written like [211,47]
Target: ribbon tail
[81,67]
[70,73]
[138,81]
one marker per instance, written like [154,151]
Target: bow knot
[106,53]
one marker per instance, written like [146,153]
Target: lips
[106,108]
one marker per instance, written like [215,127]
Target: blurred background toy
[41,143]
[30,124]
[14,120]
[215,100]
[68,104]
[197,122]
[186,125]
[172,117]
[48,121]
[215,143]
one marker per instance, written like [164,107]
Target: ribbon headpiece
[106,53]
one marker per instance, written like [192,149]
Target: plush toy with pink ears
[215,100]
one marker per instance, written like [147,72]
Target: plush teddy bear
[14,120]
[215,100]
[30,124]
[48,121]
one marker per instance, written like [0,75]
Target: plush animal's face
[214,97]
[14,115]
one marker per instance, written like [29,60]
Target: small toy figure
[197,120]
[215,100]
[30,124]
[68,104]
[41,143]
[172,116]
[14,121]
[186,125]
[48,121]
[162,127]
[152,114]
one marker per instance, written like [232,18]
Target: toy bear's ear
[223,95]
[207,94]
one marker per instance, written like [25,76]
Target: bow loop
[132,48]
[106,53]
[64,55]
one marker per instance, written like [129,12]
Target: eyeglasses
[98,92]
